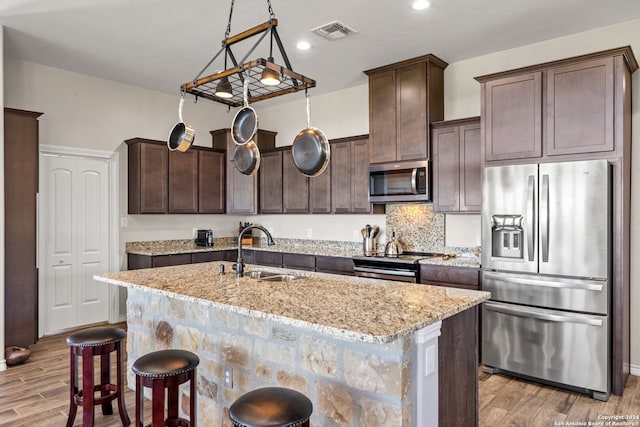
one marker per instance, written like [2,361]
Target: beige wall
[83,111]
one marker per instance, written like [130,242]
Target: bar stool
[87,343]
[165,369]
[271,407]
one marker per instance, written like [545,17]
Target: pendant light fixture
[266,78]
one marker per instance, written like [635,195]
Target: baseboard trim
[634,370]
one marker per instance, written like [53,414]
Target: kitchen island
[350,344]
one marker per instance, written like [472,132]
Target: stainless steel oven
[401,268]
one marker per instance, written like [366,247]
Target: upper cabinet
[242,190]
[404,98]
[350,175]
[160,181]
[270,174]
[457,166]
[561,108]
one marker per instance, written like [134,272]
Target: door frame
[113,160]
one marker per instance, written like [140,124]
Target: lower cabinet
[336,265]
[228,255]
[299,261]
[455,277]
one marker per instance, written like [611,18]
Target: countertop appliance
[403,267]
[399,182]
[546,257]
[204,238]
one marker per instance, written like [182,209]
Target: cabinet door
[341,177]
[320,191]
[242,190]
[382,117]
[580,106]
[295,186]
[211,182]
[148,178]
[174,259]
[470,169]
[411,112]
[299,261]
[337,265]
[360,176]
[446,169]
[183,182]
[271,182]
[512,114]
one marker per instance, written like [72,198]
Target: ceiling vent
[333,30]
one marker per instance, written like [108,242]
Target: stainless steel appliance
[204,238]
[403,267]
[399,182]
[546,260]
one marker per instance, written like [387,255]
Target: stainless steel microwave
[399,182]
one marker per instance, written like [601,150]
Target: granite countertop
[357,309]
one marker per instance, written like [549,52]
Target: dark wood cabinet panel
[382,116]
[242,190]
[137,261]
[411,112]
[320,192]
[403,99]
[457,277]
[183,182]
[295,186]
[268,258]
[512,111]
[209,256]
[173,259]
[211,182]
[457,174]
[20,273]
[470,168]
[446,169]
[336,265]
[148,176]
[271,182]
[580,105]
[350,175]
[299,261]
[458,370]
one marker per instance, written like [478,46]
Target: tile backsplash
[418,228]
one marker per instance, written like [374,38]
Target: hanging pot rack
[290,81]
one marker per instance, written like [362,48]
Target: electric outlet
[309,233]
[228,377]
[194,232]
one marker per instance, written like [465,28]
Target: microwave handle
[414,181]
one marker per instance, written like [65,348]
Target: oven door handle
[535,314]
[383,271]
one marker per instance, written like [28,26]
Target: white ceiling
[160,44]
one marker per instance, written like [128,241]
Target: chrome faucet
[239,265]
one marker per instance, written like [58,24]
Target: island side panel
[350,383]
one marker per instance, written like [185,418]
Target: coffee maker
[204,238]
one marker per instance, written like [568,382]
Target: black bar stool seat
[166,369]
[271,407]
[87,343]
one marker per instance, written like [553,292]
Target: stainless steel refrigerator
[546,258]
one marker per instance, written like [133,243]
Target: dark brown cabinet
[295,186]
[299,261]
[457,163]
[335,265]
[271,184]
[211,181]
[148,176]
[350,175]
[320,192]
[242,190]
[20,273]
[162,181]
[183,182]
[403,99]
[452,276]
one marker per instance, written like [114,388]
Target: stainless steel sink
[271,276]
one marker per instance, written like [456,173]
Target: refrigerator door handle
[582,285]
[544,218]
[531,220]
[535,314]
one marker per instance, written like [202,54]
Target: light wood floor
[36,394]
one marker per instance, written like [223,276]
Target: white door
[74,213]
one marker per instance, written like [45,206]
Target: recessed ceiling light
[302,45]
[420,5]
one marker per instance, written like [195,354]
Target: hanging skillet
[182,135]
[245,122]
[310,149]
[247,158]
